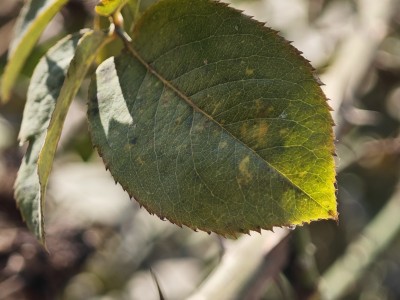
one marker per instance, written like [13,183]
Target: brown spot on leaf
[245,175]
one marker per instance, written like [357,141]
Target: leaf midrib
[185,98]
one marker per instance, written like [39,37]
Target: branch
[240,265]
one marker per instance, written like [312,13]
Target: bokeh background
[101,245]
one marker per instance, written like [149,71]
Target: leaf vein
[187,99]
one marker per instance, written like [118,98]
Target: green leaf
[212,120]
[33,19]
[108,7]
[43,92]
[50,93]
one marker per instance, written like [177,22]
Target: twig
[269,273]
[239,265]
[363,251]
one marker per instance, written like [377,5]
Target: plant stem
[137,10]
[240,266]
[134,6]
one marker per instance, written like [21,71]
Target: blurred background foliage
[101,245]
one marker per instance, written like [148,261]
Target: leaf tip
[334,215]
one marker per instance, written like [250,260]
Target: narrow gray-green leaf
[54,84]
[43,92]
[90,43]
[213,121]
[34,17]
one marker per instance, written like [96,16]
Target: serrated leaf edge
[306,63]
[187,99]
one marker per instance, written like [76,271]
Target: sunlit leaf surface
[214,121]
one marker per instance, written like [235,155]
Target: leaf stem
[118,22]
[137,10]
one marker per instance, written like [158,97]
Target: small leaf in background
[108,7]
[213,121]
[34,17]
[54,84]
